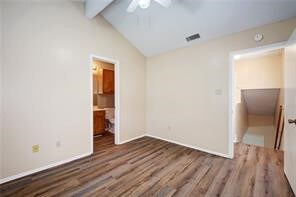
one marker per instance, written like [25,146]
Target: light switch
[218,92]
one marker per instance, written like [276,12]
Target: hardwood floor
[150,167]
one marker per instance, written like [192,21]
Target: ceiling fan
[144,4]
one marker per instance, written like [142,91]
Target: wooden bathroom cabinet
[106,81]
[99,122]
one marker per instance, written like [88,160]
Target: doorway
[256,96]
[105,100]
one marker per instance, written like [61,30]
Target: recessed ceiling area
[157,29]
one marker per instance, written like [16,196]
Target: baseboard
[129,140]
[193,147]
[23,174]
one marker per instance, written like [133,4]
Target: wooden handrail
[278,128]
[281,135]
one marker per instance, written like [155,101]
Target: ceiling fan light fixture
[144,4]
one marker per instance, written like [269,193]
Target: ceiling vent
[192,37]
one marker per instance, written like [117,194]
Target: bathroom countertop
[95,108]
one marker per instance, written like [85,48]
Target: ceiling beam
[94,7]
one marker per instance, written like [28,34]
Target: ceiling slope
[158,29]
[261,101]
[94,7]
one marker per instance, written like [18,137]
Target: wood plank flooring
[151,167]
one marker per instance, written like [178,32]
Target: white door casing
[290,111]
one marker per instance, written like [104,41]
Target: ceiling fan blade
[164,3]
[132,6]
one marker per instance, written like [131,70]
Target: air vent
[192,37]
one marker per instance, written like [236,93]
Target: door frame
[116,94]
[290,42]
[231,105]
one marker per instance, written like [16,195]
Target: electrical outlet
[35,148]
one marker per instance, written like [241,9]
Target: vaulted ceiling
[158,29]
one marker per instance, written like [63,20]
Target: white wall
[260,72]
[47,91]
[188,88]
[1,59]
[240,120]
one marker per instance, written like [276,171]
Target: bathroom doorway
[105,100]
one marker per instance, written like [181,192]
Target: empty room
[148,98]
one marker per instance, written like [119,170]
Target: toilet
[110,117]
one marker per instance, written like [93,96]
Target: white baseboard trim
[193,147]
[129,140]
[23,174]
